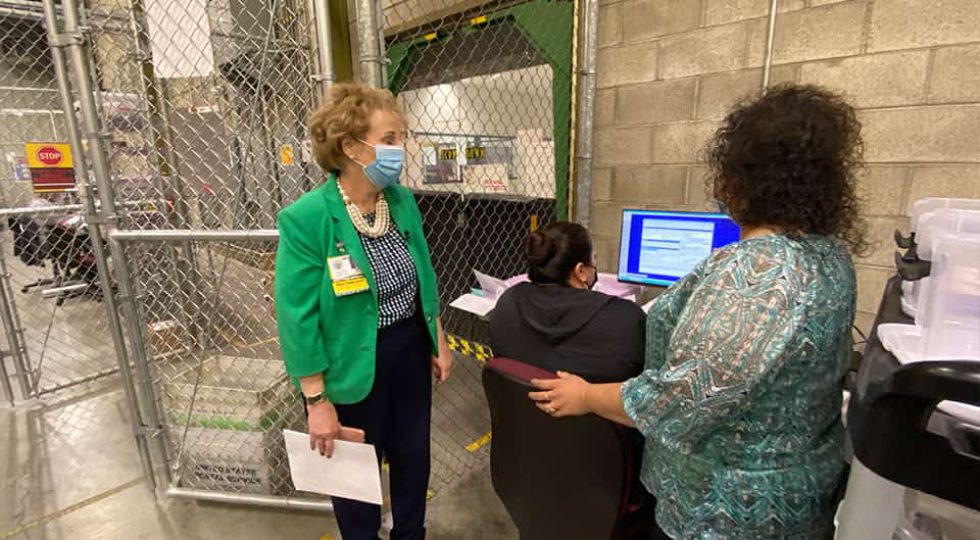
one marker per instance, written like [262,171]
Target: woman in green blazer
[357,304]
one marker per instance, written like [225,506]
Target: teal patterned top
[741,397]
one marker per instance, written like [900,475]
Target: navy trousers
[395,416]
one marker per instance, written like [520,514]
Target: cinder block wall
[669,69]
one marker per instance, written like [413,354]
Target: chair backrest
[29,244]
[558,478]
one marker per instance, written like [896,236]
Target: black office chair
[560,479]
[69,247]
[31,248]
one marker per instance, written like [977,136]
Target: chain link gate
[193,114]
[212,132]
[55,327]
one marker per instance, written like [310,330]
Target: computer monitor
[659,248]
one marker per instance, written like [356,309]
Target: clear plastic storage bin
[928,205]
[944,222]
[951,314]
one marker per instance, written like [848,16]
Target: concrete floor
[71,471]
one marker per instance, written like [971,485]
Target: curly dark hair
[789,159]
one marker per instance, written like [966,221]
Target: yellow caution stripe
[477,351]
[479,443]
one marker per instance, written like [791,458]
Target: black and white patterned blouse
[394,273]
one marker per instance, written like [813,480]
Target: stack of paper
[474,304]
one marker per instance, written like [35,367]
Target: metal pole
[5,380]
[156,104]
[584,132]
[379,14]
[94,377]
[17,350]
[257,500]
[162,133]
[60,209]
[171,236]
[770,39]
[18,326]
[158,108]
[20,13]
[270,155]
[75,41]
[323,70]
[368,44]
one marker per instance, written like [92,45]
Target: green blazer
[323,333]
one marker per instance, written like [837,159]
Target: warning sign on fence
[48,155]
[51,166]
[22,173]
[286,155]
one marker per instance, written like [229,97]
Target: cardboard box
[165,337]
[234,438]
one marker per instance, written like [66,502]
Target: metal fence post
[156,105]
[368,43]
[73,39]
[14,333]
[584,133]
[167,163]
[380,33]
[770,39]
[323,70]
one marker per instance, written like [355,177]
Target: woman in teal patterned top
[741,396]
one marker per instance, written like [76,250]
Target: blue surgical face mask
[386,170]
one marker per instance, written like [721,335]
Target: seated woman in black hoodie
[557,322]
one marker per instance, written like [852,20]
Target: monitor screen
[659,248]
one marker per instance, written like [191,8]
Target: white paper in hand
[352,472]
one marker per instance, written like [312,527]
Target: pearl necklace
[382,218]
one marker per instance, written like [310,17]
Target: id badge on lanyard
[345,276]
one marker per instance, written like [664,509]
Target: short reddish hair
[345,113]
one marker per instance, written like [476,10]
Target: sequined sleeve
[728,342]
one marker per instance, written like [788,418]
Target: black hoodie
[590,334]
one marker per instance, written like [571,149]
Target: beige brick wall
[669,70]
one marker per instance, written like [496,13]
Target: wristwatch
[314,399]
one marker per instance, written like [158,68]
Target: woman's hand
[564,396]
[442,364]
[324,427]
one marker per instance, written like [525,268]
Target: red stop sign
[49,155]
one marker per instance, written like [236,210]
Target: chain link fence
[30,107]
[202,106]
[486,87]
